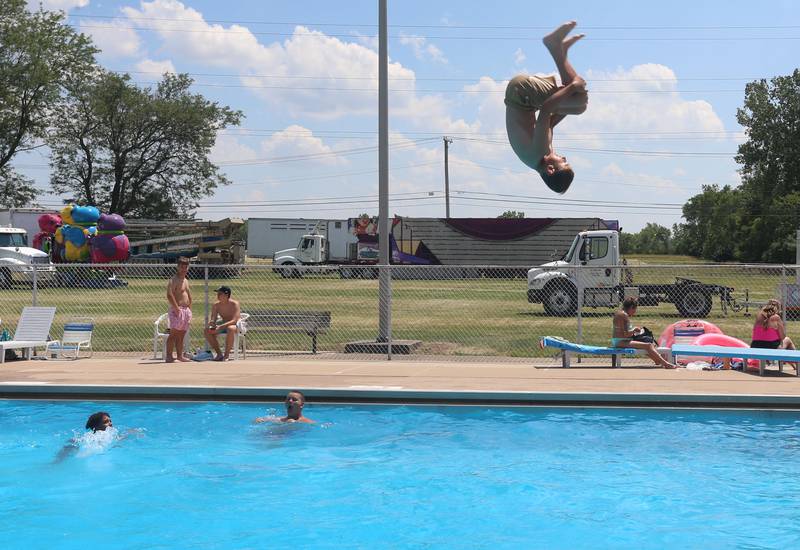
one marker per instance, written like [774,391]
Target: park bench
[284,321]
[727,353]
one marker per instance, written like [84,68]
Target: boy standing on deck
[531,135]
[180,312]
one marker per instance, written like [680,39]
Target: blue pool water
[201,475]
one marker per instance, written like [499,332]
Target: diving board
[762,354]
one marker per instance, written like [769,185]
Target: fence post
[784,294]
[35,296]
[389,337]
[205,304]
[579,281]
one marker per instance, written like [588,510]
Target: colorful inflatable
[80,215]
[718,340]
[48,223]
[73,242]
[683,332]
[110,244]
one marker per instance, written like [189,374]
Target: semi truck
[18,261]
[493,247]
[593,263]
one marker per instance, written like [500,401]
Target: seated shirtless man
[531,135]
[228,312]
[624,332]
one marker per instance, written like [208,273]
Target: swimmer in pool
[295,401]
[97,422]
[536,103]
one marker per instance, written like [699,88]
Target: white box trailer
[24,218]
[265,236]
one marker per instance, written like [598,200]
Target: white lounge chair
[77,335]
[33,329]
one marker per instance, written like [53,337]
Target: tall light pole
[447,142]
[384,282]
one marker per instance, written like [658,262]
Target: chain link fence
[456,313]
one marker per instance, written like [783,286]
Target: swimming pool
[201,475]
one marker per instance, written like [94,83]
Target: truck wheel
[5,278]
[694,302]
[560,298]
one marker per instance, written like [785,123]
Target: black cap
[225,289]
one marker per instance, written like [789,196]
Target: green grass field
[451,317]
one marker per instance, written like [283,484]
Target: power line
[487,27]
[437,79]
[442,37]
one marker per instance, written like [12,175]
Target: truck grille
[41,260]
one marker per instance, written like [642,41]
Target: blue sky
[665,81]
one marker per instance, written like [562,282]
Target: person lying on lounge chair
[624,335]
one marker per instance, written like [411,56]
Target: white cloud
[295,141]
[155,67]
[644,98]
[53,5]
[229,149]
[519,57]
[422,50]
[115,38]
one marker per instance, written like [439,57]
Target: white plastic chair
[77,335]
[160,335]
[240,339]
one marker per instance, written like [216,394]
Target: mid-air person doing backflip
[531,133]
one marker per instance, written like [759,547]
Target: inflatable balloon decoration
[110,244]
[48,224]
[81,234]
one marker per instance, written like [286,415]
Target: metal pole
[579,297]
[384,227]
[447,142]
[35,296]
[205,304]
[797,259]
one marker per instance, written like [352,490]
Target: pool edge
[397,396]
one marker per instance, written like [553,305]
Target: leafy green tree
[512,214]
[651,239]
[39,55]
[770,160]
[137,151]
[712,224]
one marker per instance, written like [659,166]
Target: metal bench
[310,323]
[779,355]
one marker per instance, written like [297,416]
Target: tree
[651,239]
[713,220]
[770,160]
[39,55]
[135,151]
[511,214]
[15,190]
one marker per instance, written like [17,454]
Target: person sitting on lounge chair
[624,334]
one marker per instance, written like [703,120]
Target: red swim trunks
[179,320]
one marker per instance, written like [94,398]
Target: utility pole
[384,227]
[447,142]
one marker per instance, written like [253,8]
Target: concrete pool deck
[404,379]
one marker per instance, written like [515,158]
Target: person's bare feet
[568,42]
[219,358]
[670,366]
[184,359]
[554,40]
[169,360]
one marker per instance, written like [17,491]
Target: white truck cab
[18,260]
